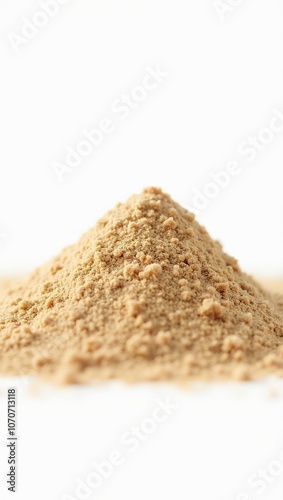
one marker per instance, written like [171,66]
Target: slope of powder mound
[144,295]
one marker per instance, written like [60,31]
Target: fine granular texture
[144,295]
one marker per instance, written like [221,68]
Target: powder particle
[241,373]
[232,343]
[144,295]
[150,271]
[163,338]
[169,223]
[176,270]
[270,360]
[211,307]
[186,296]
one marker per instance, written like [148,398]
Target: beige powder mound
[144,295]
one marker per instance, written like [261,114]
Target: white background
[224,80]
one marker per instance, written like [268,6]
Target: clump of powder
[144,295]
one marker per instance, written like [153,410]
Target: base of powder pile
[140,373]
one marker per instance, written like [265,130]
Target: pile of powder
[144,295]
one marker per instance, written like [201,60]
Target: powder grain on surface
[144,295]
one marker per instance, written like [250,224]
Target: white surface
[224,80]
[209,447]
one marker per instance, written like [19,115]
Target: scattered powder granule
[144,295]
